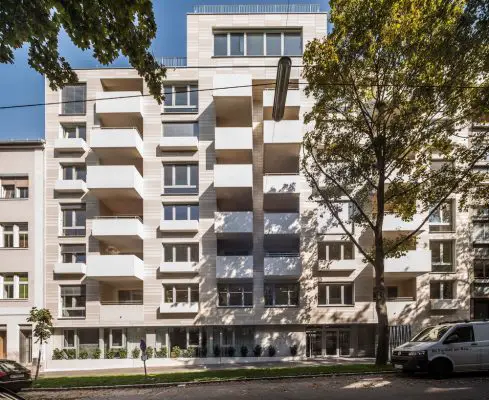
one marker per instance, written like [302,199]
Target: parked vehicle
[14,376]
[445,348]
[6,394]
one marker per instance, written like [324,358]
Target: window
[73,301]
[441,255]
[180,179]
[8,191]
[14,286]
[335,294]
[74,172]
[335,251]
[14,187]
[117,338]
[73,99]
[481,269]
[73,253]
[69,339]
[78,131]
[465,334]
[254,44]
[23,235]
[281,294]
[292,44]
[180,212]
[480,290]
[74,218]
[181,252]
[23,192]
[237,44]
[392,292]
[481,213]
[180,294]
[181,98]
[134,296]
[442,290]
[221,44]
[14,235]
[180,129]
[481,232]
[235,295]
[8,236]
[441,219]
[274,44]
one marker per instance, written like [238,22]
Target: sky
[20,84]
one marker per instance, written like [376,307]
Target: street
[461,387]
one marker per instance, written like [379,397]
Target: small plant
[135,353]
[257,350]
[231,351]
[175,352]
[271,351]
[293,350]
[96,354]
[58,354]
[217,351]
[244,351]
[149,352]
[70,354]
[110,354]
[83,354]
[162,352]
[123,353]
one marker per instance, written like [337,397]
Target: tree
[395,84]
[43,325]
[109,28]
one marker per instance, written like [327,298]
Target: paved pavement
[389,386]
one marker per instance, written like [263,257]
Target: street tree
[394,85]
[109,28]
[43,324]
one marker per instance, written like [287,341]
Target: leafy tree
[395,85]
[43,325]
[107,27]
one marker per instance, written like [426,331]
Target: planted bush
[244,351]
[123,353]
[162,352]
[58,354]
[231,351]
[83,354]
[293,350]
[257,350]
[135,353]
[70,354]
[271,351]
[149,352]
[96,354]
[176,352]
[110,354]
[217,351]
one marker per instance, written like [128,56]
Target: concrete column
[16,235]
[13,348]
[151,338]
[101,343]
[1,236]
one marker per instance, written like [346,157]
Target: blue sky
[20,84]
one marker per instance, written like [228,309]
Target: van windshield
[431,334]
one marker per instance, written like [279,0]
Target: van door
[481,332]
[464,352]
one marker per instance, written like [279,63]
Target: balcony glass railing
[122,302]
[140,219]
[257,9]
[282,254]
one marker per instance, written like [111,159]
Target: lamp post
[281,87]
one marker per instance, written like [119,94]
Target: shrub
[217,351]
[231,351]
[257,350]
[70,354]
[188,353]
[110,354]
[192,352]
[293,350]
[83,354]
[96,354]
[175,352]
[149,352]
[135,353]
[244,351]
[162,352]
[271,351]
[58,354]
[123,353]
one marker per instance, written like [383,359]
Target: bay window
[181,252]
[74,131]
[335,294]
[73,253]
[181,98]
[441,255]
[73,301]
[235,295]
[442,218]
[73,99]
[180,212]
[181,293]
[338,250]
[180,179]
[180,129]
[442,290]
[74,220]
[281,294]
[74,172]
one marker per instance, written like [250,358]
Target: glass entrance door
[337,342]
[331,342]
[314,347]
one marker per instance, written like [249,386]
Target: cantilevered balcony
[281,192]
[109,143]
[282,265]
[70,145]
[179,143]
[114,181]
[121,312]
[234,186]
[234,144]
[444,304]
[340,265]
[126,232]
[234,267]
[233,222]
[282,224]
[121,267]
[176,225]
[282,142]
[414,262]
[178,267]
[179,308]
[70,268]
[394,223]
[292,104]
[119,108]
[233,105]
[70,186]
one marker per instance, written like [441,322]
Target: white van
[445,348]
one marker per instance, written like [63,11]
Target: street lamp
[281,87]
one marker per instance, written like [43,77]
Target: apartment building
[189,224]
[21,244]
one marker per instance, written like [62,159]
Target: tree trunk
[38,363]
[382,355]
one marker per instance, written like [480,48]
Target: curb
[171,384]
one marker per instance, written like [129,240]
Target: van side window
[465,334]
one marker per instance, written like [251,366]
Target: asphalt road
[462,387]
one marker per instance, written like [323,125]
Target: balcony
[179,143]
[234,267]
[118,102]
[339,265]
[328,224]
[444,304]
[282,224]
[115,267]
[116,142]
[282,142]
[71,145]
[70,268]
[175,267]
[114,181]
[121,312]
[282,265]
[415,262]
[234,145]
[292,104]
[183,226]
[234,186]
[281,184]
[125,232]
[395,223]
[400,309]
[70,186]
[179,308]
[233,222]
[233,106]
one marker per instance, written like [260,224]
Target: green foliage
[244,351]
[175,352]
[43,324]
[110,354]
[109,29]
[271,351]
[83,354]
[231,351]
[149,352]
[97,353]
[70,354]
[123,353]
[58,354]
[257,350]
[135,353]
[293,350]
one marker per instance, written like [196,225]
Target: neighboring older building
[189,224]
[21,244]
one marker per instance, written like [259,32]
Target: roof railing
[174,62]
[257,9]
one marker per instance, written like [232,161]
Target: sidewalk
[196,368]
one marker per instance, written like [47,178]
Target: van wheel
[440,368]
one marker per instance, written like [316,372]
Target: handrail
[281,173]
[121,303]
[283,254]
[400,299]
[117,127]
[257,9]
[174,62]
[119,217]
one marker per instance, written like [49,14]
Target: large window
[441,255]
[8,235]
[442,290]
[74,131]
[255,43]
[130,296]
[173,294]
[235,295]
[180,212]
[73,99]
[181,98]
[481,232]
[14,235]
[74,172]
[181,252]
[281,294]
[14,286]
[73,253]
[23,235]
[442,218]
[180,178]
[180,129]
[73,301]
[481,269]
[335,294]
[12,187]
[335,251]
[74,220]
